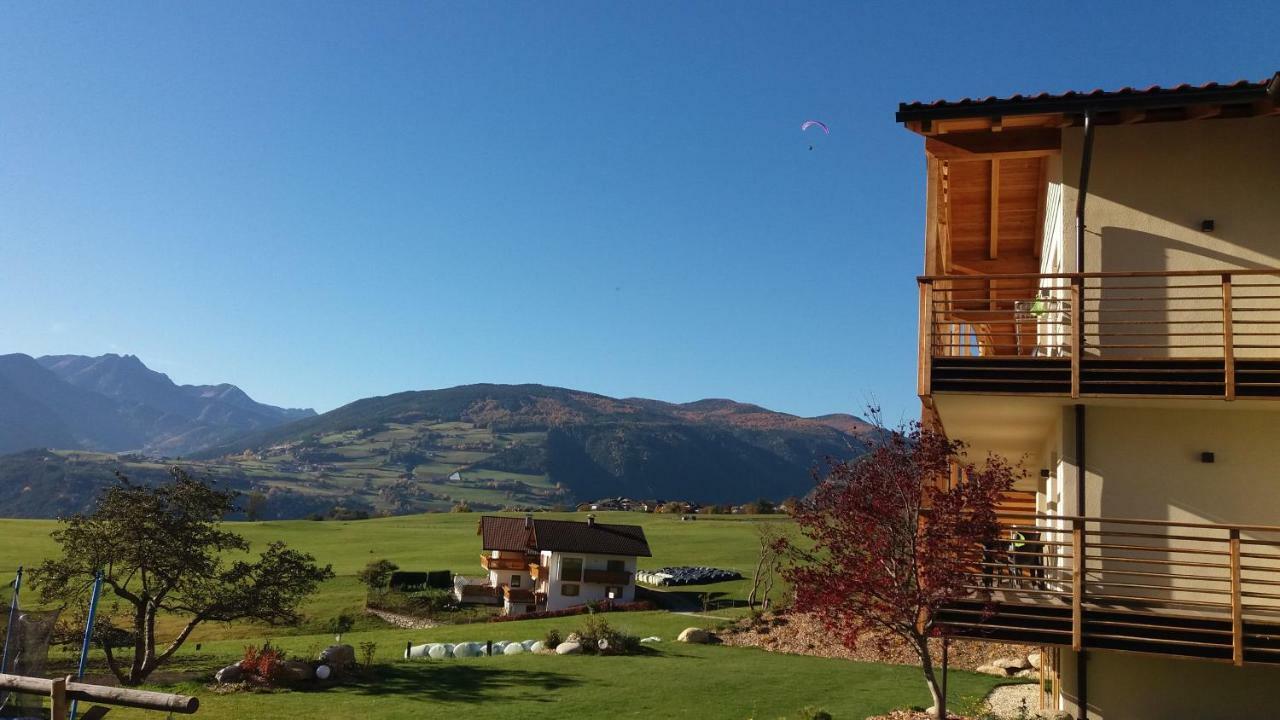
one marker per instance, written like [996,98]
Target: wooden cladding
[1195,333]
[1193,589]
[504,563]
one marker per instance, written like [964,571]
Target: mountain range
[486,445]
[116,403]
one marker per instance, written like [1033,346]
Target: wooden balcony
[1178,334]
[1196,590]
[606,577]
[538,572]
[504,563]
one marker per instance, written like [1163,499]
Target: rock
[694,635]
[537,647]
[651,639]
[296,671]
[574,638]
[1012,664]
[513,649]
[338,657]
[1034,660]
[229,674]
[1027,673]
[569,648]
[992,670]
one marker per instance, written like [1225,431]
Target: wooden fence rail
[62,690]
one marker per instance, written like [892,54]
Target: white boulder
[569,648]
[694,635]
[538,647]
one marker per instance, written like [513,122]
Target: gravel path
[1007,701]
[407,622]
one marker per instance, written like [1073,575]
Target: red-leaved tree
[892,541]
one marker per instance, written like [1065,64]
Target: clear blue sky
[322,201]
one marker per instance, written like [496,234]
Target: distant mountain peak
[115,402]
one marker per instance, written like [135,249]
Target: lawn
[669,680]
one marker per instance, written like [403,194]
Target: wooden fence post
[1077,583]
[58,699]
[1237,605]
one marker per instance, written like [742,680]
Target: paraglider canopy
[811,123]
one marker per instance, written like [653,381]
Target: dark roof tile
[510,534]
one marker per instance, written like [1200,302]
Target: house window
[616,566]
[571,569]
[515,581]
[569,590]
[613,592]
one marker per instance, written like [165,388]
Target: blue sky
[323,201]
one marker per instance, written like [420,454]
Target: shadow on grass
[469,683]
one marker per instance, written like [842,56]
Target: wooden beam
[932,221]
[997,124]
[58,699]
[994,226]
[1042,193]
[1029,142]
[1200,112]
[1128,117]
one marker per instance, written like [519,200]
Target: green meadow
[668,679]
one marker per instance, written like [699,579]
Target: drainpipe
[1086,160]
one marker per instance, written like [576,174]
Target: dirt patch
[800,634]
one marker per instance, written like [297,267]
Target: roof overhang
[1155,104]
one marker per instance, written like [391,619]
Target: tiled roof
[1240,91]
[510,534]
[568,536]
[504,533]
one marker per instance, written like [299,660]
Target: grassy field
[440,541]
[668,680]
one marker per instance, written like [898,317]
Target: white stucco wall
[587,592]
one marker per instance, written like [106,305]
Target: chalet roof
[599,538]
[1074,101]
[512,535]
[504,533]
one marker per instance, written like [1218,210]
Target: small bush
[813,713]
[552,638]
[367,651]
[423,602]
[262,661]
[595,629]
[377,573]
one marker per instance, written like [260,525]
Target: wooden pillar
[925,363]
[1237,607]
[1228,340]
[1077,583]
[1077,332]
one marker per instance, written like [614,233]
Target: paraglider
[814,123]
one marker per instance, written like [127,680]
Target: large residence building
[1101,300]
[536,565]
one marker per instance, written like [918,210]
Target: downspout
[1086,161]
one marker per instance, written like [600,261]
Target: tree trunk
[930,679]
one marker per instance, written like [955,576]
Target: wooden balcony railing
[1194,589]
[503,563]
[1192,332]
[607,577]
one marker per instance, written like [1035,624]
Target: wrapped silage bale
[417,651]
[437,652]
[513,649]
[528,644]
[465,650]
[538,647]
